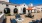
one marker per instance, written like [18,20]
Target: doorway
[6,10]
[15,10]
[24,10]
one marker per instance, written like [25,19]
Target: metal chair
[4,21]
[37,21]
[30,22]
[13,21]
[33,21]
[17,16]
[41,20]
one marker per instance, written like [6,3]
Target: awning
[29,9]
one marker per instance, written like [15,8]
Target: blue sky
[26,1]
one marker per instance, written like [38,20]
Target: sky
[35,2]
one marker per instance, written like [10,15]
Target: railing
[1,15]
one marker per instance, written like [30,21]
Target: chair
[4,21]
[30,22]
[33,21]
[41,20]
[37,21]
[29,15]
[17,16]
[13,21]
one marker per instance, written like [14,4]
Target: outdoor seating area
[18,18]
[23,19]
[13,21]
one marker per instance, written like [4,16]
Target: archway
[6,10]
[15,10]
[24,10]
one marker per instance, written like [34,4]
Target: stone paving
[26,19]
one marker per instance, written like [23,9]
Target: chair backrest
[41,20]
[17,16]
[13,21]
[4,21]
[30,22]
[33,21]
[37,21]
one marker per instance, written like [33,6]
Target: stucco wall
[11,9]
[26,6]
[2,6]
[39,8]
[20,8]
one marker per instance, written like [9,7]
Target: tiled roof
[3,2]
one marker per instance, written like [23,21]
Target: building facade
[20,7]
[5,0]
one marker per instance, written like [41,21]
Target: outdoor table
[19,20]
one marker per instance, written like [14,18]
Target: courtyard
[37,16]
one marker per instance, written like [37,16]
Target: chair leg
[4,21]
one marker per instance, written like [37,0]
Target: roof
[29,9]
[3,2]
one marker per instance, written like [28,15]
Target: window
[15,6]
[41,8]
[24,5]
[6,4]
[38,8]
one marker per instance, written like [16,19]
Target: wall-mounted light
[24,5]
[15,6]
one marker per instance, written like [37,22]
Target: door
[24,10]
[15,10]
[28,10]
